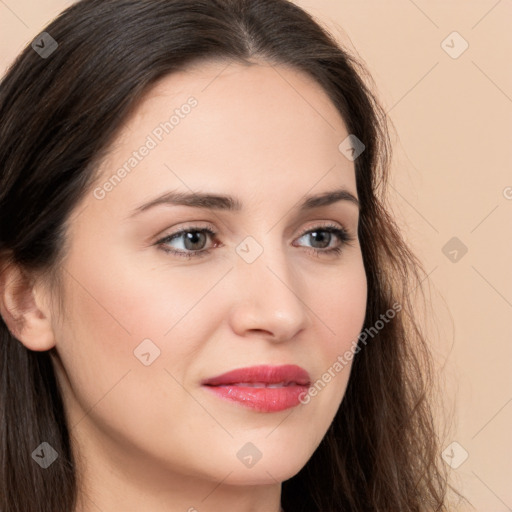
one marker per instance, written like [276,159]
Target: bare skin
[149,436]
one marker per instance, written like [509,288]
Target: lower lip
[261,399]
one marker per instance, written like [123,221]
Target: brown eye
[193,241]
[324,235]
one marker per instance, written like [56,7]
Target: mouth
[262,388]
[257,384]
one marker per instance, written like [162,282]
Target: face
[159,298]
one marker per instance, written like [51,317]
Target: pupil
[192,237]
[320,234]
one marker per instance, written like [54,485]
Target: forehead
[254,131]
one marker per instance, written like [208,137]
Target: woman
[205,304]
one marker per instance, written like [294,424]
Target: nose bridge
[269,288]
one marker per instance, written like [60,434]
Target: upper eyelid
[319,224]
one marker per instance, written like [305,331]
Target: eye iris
[325,235]
[191,236]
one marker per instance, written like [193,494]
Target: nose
[270,297]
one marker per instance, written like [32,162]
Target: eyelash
[343,235]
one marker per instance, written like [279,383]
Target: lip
[238,386]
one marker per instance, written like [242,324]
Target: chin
[264,476]
[268,470]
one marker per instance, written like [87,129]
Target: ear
[23,309]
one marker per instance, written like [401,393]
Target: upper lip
[287,374]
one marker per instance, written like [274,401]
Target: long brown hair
[58,114]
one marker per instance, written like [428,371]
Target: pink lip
[228,386]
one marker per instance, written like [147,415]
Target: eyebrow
[230,203]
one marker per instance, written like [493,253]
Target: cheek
[343,307]
[95,342]
[107,317]
[119,313]
[342,310]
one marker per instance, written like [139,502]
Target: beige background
[452,166]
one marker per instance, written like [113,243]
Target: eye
[324,235]
[194,239]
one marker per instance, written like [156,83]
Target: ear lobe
[26,319]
